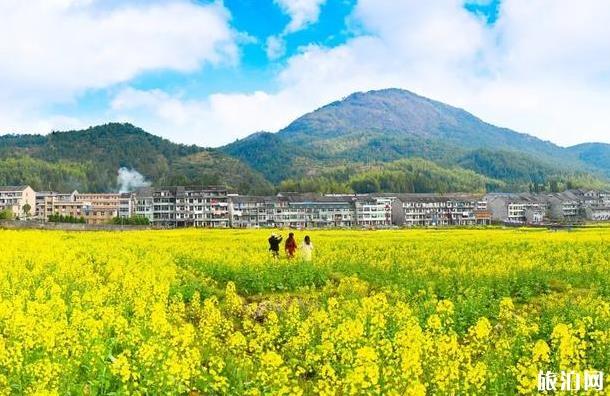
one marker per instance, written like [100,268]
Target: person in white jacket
[307,249]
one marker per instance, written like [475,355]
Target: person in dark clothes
[274,245]
[290,246]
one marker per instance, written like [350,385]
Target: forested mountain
[389,125]
[596,155]
[402,176]
[387,141]
[88,160]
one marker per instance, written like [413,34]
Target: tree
[365,184]
[6,214]
[554,186]
[133,220]
[26,209]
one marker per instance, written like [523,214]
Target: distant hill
[388,125]
[388,141]
[402,176]
[88,160]
[596,155]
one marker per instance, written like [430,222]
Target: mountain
[88,160]
[400,113]
[389,125]
[596,155]
[388,141]
[406,175]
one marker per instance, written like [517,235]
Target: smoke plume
[130,179]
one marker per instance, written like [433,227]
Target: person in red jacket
[290,246]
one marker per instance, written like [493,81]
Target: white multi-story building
[523,208]
[374,211]
[164,207]
[202,207]
[597,213]
[323,211]
[293,210]
[184,206]
[594,204]
[437,210]
[250,211]
[127,205]
[143,207]
[19,200]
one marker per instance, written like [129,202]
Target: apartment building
[511,208]
[19,200]
[438,210]
[564,207]
[46,200]
[164,207]
[251,211]
[66,208]
[184,206]
[99,208]
[302,210]
[95,208]
[127,203]
[329,211]
[143,203]
[597,213]
[313,210]
[595,204]
[374,211]
[202,207]
[592,197]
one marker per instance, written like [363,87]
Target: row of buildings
[568,207]
[215,208]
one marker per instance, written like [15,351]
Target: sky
[210,72]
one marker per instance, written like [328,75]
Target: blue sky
[260,19]
[209,72]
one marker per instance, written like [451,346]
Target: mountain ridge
[92,157]
[392,124]
[380,133]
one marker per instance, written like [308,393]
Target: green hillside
[387,141]
[403,176]
[88,160]
[390,125]
[596,155]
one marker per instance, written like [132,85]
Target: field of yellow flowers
[378,312]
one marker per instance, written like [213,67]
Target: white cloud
[54,50]
[302,13]
[275,47]
[542,69]
[219,119]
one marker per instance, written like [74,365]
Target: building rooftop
[518,197]
[414,197]
[13,188]
[250,198]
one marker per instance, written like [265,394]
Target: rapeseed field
[199,312]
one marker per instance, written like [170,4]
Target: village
[216,207]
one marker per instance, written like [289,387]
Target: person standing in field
[274,245]
[291,246]
[307,249]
